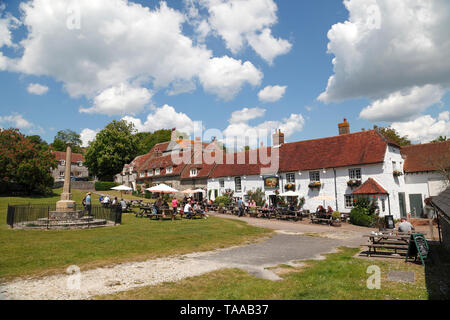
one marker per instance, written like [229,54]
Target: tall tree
[440,139]
[67,136]
[37,140]
[392,134]
[147,140]
[24,165]
[114,146]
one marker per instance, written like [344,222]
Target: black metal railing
[21,214]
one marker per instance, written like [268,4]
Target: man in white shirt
[188,210]
[405,226]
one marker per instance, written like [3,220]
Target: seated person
[405,226]
[155,208]
[188,210]
[291,207]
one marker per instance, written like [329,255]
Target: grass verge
[341,276]
[44,252]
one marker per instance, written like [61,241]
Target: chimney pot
[344,127]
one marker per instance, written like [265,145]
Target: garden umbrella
[324,197]
[188,191]
[121,189]
[162,188]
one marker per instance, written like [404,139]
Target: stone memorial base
[70,215]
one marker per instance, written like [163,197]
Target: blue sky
[415,103]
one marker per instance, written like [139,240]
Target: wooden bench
[321,220]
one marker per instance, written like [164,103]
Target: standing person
[88,203]
[175,206]
[241,207]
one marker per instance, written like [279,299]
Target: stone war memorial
[63,215]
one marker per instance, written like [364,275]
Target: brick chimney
[278,138]
[344,127]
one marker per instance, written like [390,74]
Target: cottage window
[238,185]
[290,177]
[314,176]
[80,163]
[222,183]
[354,174]
[62,162]
[169,170]
[150,173]
[349,203]
[383,205]
[142,174]
[61,173]
[194,172]
[157,171]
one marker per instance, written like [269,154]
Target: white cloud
[120,42]
[246,21]
[272,93]
[246,115]
[87,135]
[225,76]
[7,22]
[165,117]
[241,133]
[267,46]
[36,88]
[120,100]
[425,128]
[401,105]
[17,121]
[389,46]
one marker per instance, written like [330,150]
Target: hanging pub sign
[271,182]
[418,247]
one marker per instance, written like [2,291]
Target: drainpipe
[335,189]
[389,205]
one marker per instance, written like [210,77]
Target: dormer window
[142,174]
[62,162]
[157,172]
[80,163]
[169,170]
[194,172]
[150,173]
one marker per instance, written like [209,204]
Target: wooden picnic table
[387,240]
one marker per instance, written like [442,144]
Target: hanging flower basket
[313,185]
[289,187]
[397,173]
[354,183]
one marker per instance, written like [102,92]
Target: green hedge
[360,217]
[225,200]
[104,185]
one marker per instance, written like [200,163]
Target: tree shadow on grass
[437,272]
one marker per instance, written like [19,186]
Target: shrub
[104,185]
[258,196]
[223,200]
[360,217]
[336,215]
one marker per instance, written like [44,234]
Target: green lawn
[340,276]
[42,252]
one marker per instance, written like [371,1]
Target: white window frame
[290,178]
[169,170]
[193,172]
[312,177]
[61,173]
[80,163]
[150,173]
[157,171]
[62,162]
[353,174]
[142,174]
[221,183]
[349,198]
[238,182]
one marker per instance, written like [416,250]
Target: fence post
[48,217]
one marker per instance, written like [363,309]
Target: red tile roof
[203,163]
[241,164]
[76,157]
[426,157]
[366,147]
[370,187]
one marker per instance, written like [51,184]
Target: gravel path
[287,246]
